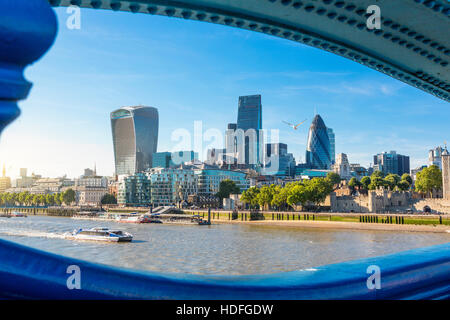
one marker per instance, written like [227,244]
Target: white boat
[99,234]
[137,218]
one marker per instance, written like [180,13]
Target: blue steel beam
[412,45]
[28,273]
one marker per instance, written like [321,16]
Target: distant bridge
[412,45]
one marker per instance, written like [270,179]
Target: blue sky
[194,71]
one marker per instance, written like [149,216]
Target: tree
[428,179]
[42,199]
[280,196]
[108,199]
[403,185]
[377,173]
[376,182]
[35,199]
[318,190]
[365,182]
[265,196]
[57,199]
[353,183]
[22,197]
[50,199]
[334,178]
[249,196]
[407,177]
[226,188]
[29,199]
[298,194]
[391,181]
[68,196]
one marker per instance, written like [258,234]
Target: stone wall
[436,205]
[376,201]
[446,176]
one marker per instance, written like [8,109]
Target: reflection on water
[216,249]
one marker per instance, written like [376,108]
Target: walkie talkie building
[318,149]
[135,138]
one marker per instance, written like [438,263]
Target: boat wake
[33,234]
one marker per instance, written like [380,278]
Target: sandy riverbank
[345,225]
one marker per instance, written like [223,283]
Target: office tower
[434,156]
[250,122]
[332,139]
[173,159]
[23,172]
[277,160]
[135,138]
[391,162]
[318,153]
[162,160]
[5,182]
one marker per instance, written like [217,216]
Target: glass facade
[391,162]
[162,160]
[173,159]
[332,138]
[170,186]
[209,180]
[134,190]
[250,121]
[318,149]
[135,138]
[277,160]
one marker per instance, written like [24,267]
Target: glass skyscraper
[391,162]
[173,159]
[250,121]
[332,144]
[318,148]
[135,138]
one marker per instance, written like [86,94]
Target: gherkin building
[318,148]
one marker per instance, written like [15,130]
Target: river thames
[215,249]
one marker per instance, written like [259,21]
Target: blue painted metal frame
[27,273]
[27,30]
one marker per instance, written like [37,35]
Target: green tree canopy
[365,182]
[353,183]
[68,196]
[377,173]
[376,182]
[249,196]
[226,188]
[108,199]
[403,185]
[334,178]
[428,179]
[407,177]
[265,196]
[391,181]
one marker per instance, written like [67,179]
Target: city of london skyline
[369,112]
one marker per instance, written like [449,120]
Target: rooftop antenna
[315,111]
